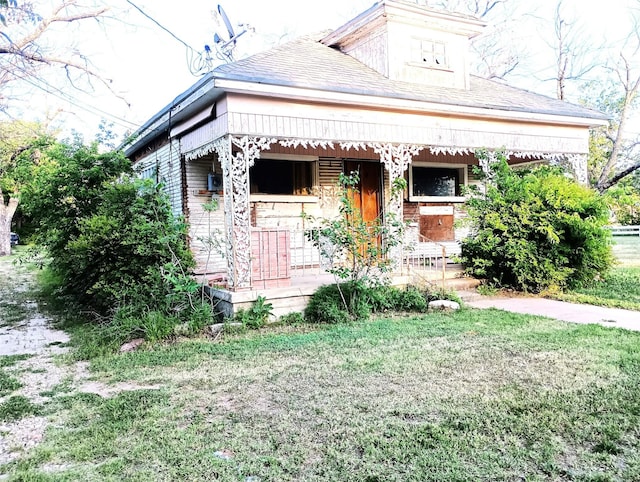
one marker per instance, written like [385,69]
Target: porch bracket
[396,160]
[578,164]
[235,168]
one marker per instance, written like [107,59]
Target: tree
[494,58]
[19,150]
[574,52]
[27,47]
[620,101]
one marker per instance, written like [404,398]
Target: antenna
[225,48]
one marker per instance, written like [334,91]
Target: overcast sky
[150,67]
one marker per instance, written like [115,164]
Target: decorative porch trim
[202,151]
[238,215]
[235,169]
[306,143]
[396,160]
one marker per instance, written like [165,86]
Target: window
[429,53]
[436,183]
[272,176]
[148,173]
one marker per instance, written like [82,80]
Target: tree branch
[618,177]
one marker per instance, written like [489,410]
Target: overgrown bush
[116,249]
[536,229]
[358,252]
[327,306]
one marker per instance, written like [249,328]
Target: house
[255,143]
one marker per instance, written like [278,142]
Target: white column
[235,168]
[396,160]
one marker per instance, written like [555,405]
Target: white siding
[206,228]
[163,166]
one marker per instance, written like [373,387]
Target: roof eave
[367,100]
[181,108]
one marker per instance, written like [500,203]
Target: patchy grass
[17,407]
[627,250]
[620,289]
[12,360]
[475,395]
[8,383]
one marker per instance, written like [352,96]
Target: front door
[368,198]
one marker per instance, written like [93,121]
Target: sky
[145,57]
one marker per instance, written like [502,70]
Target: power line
[58,93]
[160,25]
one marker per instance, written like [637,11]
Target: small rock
[224,454]
[132,345]
[252,478]
[214,330]
[444,305]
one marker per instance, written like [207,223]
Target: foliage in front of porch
[535,230]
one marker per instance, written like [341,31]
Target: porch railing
[421,257]
[426,259]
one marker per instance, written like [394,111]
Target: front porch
[253,238]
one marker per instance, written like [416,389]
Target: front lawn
[619,289]
[476,395]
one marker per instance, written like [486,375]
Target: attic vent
[429,53]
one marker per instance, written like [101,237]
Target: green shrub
[256,316]
[536,229]
[116,249]
[624,201]
[327,306]
[294,318]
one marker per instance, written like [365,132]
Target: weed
[256,316]
[8,384]
[294,318]
[17,407]
[487,289]
[11,360]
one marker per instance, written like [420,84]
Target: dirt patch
[43,375]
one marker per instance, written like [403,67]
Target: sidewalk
[561,310]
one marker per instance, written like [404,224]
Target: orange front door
[368,197]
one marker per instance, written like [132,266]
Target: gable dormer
[410,42]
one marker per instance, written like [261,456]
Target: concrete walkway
[561,310]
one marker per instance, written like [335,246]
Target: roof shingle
[307,63]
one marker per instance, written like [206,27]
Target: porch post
[578,164]
[396,160]
[235,169]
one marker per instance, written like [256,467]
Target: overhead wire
[160,25]
[50,89]
[197,62]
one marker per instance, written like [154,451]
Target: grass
[627,250]
[619,289]
[17,407]
[474,395]
[8,383]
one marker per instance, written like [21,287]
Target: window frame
[463,179]
[291,198]
[418,53]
